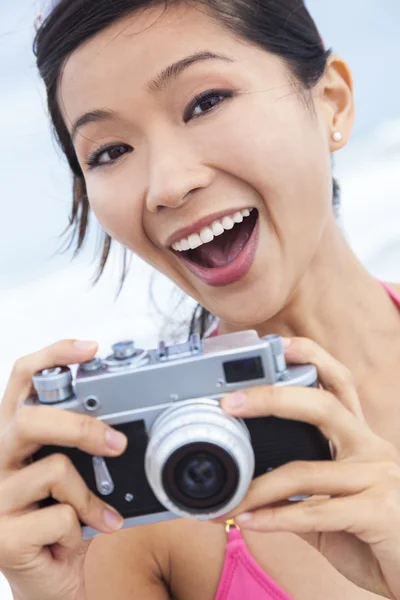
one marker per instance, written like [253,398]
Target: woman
[201,135]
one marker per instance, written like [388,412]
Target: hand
[41,550]
[359,492]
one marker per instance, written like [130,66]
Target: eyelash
[93,160]
[199,98]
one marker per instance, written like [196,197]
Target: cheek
[121,215]
[118,214]
[287,160]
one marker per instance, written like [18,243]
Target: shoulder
[394,286]
[124,565]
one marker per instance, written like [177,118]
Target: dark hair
[282,27]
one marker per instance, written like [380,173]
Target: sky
[44,297]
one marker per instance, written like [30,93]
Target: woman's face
[177,158]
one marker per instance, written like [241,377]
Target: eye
[206,102]
[107,155]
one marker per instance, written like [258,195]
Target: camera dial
[53,385]
[125,354]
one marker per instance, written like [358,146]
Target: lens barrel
[199,461]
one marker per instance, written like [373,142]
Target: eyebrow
[155,86]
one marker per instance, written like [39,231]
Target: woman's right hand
[41,550]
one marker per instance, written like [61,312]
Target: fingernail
[85,345]
[244,518]
[115,439]
[112,519]
[286,342]
[235,400]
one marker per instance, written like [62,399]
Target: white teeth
[217,228]
[184,245]
[228,223]
[194,241]
[238,217]
[207,234]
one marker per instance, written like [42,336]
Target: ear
[336,99]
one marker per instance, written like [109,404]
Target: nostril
[160,202]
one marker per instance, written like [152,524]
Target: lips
[226,259]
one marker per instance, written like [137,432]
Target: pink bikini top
[242,578]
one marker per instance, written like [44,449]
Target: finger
[303,517]
[55,476]
[23,537]
[333,375]
[309,405]
[311,478]
[61,353]
[359,515]
[36,426]
[62,552]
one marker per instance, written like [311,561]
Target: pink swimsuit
[242,578]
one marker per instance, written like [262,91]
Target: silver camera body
[186,457]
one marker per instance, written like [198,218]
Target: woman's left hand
[360,489]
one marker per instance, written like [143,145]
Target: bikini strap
[233,531]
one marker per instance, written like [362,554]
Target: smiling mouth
[223,249]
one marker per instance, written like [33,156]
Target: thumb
[62,553]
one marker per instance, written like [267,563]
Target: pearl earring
[337,136]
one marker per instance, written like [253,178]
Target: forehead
[134,49]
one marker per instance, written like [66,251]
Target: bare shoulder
[395,287]
[124,565]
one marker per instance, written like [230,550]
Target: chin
[249,309]
[250,303]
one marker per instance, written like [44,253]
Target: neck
[343,308]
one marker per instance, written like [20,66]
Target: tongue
[226,247]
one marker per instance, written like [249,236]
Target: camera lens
[200,476]
[199,460]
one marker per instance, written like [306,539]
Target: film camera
[186,457]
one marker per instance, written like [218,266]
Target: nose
[175,171]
